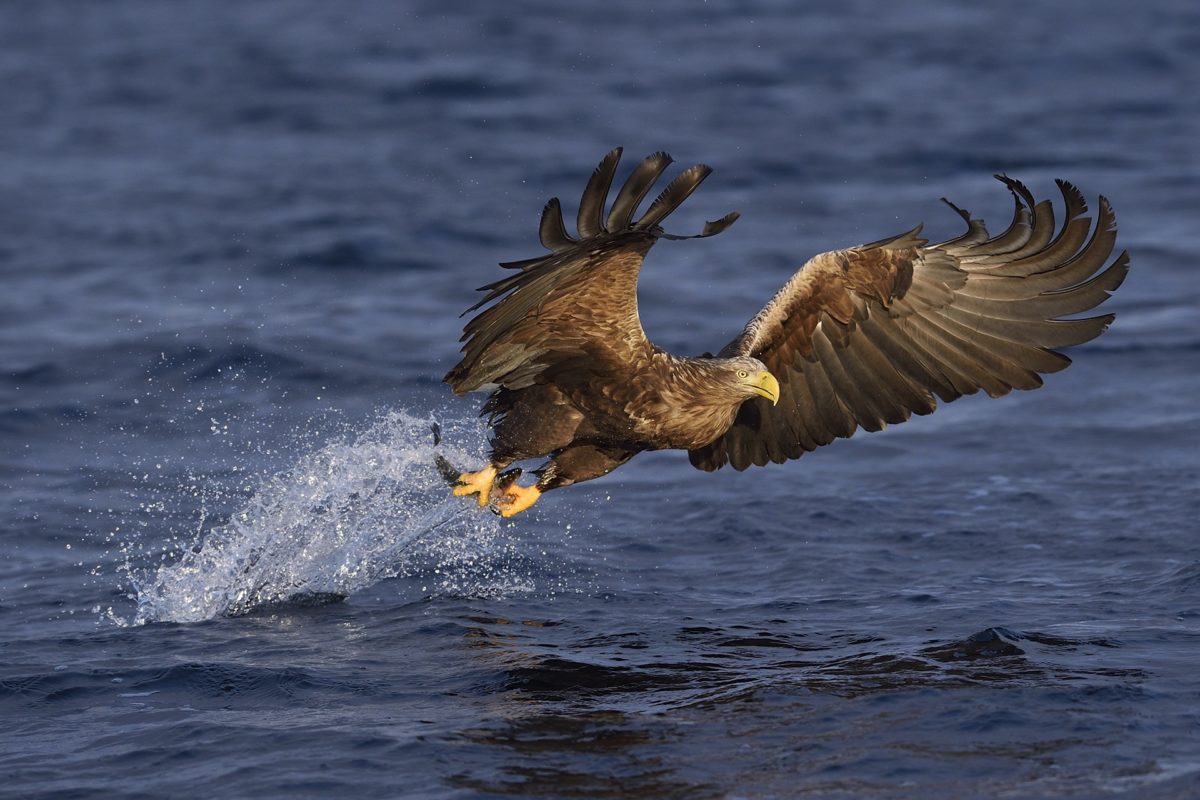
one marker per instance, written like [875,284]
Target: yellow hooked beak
[765,385]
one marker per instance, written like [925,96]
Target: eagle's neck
[686,402]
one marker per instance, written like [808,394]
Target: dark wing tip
[590,220]
[711,228]
[1017,188]
[1108,217]
[673,196]
[962,212]
[553,231]
[635,189]
[716,226]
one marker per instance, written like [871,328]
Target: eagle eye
[743,374]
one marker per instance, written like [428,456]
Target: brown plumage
[860,337]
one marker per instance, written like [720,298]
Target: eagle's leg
[479,483]
[572,465]
[581,462]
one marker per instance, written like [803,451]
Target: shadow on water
[545,751]
[633,718]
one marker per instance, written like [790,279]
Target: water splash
[344,517]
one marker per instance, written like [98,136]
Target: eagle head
[751,377]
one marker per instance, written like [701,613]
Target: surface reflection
[623,755]
[576,714]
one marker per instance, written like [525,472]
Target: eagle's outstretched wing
[869,335]
[579,302]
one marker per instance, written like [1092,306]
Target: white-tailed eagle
[857,338]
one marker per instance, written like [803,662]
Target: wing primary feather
[976,233]
[990,371]
[524,263]
[1013,237]
[590,219]
[552,231]
[635,189]
[1041,224]
[1024,355]
[1042,230]
[714,227]
[1017,188]
[710,228]
[1071,236]
[1051,333]
[1063,276]
[1086,296]
[676,192]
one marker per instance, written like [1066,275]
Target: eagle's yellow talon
[476,483]
[516,499]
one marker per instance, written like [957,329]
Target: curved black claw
[506,479]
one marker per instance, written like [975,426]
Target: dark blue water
[235,240]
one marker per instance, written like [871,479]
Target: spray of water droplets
[345,516]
